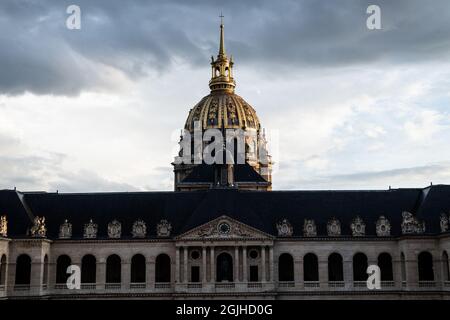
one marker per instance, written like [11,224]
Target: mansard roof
[258,209]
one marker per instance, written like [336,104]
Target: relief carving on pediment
[223,228]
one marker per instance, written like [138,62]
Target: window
[2,270]
[360,267]
[446,267]
[62,263]
[385,265]
[403,262]
[285,267]
[224,267]
[310,267]
[23,270]
[253,273]
[335,267]
[45,275]
[113,269]
[88,269]
[138,269]
[162,268]
[195,274]
[425,264]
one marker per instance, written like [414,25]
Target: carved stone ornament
[139,229]
[334,227]
[163,228]
[65,230]
[444,222]
[309,228]
[383,227]
[114,229]
[90,230]
[284,228]
[358,227]
[38,230]
[410,225]
[3,226]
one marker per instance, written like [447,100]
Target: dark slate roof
[205,174]
[259,209]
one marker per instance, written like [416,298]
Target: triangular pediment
[223,228]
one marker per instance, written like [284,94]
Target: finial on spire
[222,41]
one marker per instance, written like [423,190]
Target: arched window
[335,267]
[88,269]
[162,268]
[62,263]
[445,268]
[360,267]
[385,265]
[425,264]
[3,270]
[138,269]
[403,265]
[310,267]
[45,275]
[224,267]
[285,267]
[113,269]
[23,270]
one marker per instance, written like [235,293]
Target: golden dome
[223,109]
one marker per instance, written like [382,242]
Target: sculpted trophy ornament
[444,222]
[90,230]
[65,230]
[309,228]
[383,227]
[284,228]
[358,227]
[38,230]
[163,228]
[334,227]
[114,229]
[3,226]
[410,224]
[139,229]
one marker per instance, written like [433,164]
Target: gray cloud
[40,55]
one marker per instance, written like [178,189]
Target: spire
[222,40]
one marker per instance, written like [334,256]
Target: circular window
[253,254]
[224,228]
[195,255]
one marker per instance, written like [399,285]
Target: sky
[345,107]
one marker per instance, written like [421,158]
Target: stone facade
[258,262]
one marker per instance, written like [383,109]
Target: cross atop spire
[222,40]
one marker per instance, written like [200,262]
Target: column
[36,277]
[263,263]
[177,265]
[348,271]
[244,264]
[126,274]
[185,264]
[236,264]
[101,273]
[271,265]
[298,273]
[204,264]
[213,266]
[150,273]
[323,272]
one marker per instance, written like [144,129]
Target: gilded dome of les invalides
[222,107]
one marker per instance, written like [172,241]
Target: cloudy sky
[100,109]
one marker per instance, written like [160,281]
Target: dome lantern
[222,68]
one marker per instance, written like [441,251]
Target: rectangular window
[253,273]
[195,274]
